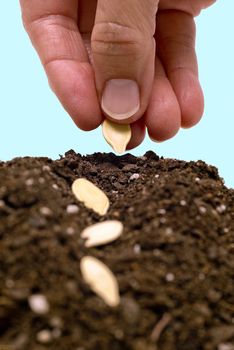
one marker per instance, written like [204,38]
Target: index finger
[52,27]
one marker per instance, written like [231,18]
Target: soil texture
[174,262]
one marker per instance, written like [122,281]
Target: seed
[117,135]
[100,279]
[102,233]
[92,197]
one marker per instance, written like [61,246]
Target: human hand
[83,46]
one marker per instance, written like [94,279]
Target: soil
[174,262]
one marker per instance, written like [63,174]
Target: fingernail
[121,98]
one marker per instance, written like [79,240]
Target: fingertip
[73,83]
[190,96]
[163,117]
[138,134]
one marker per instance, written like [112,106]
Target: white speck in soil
[46,168]
[2,203]
[38,304]
[202,210]
[163,220]
[137,248]
[226,346]
[221,208]
[46,211]
[56,333]
[156,176]
[161,211]
[197,179]
[183,203]
[170,277]
[201,276]
[226,230]
[72,209]
[29,182]
[169,231]
[44,336]
[41,180]
[70,231]
[55,186]
[10,283]
[134,176]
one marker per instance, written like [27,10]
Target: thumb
[123,51]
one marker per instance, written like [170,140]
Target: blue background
[32,122]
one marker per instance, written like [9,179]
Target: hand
[135,59]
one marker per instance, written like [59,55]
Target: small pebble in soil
[161,211]
[46,211]
[202,210]
[226,346]
[72,209]
[197,179]
[170,277]
[169,231]
[38,304]
[41,180]
[134,177]
[55,187]
[46,168]
[183,203]
[221,208]
[137,248]
[156,176]
[44,336]
[29,182]
[70,231]
[2,203]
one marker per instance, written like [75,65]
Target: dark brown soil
[174,262]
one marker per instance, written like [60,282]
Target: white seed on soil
[100,279]
[92,197]
[102,233]
[44,336]
[39,304]
[72,209]
[116,135]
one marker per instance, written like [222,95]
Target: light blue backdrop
[32,122]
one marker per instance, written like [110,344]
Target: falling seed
[38,304]
[102,233]
[100,279]
[117,135]
[92,197]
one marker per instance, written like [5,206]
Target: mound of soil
[174,262]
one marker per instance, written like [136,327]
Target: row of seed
[96,274]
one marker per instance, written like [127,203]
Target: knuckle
[113,39]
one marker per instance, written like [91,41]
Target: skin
[84,43]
